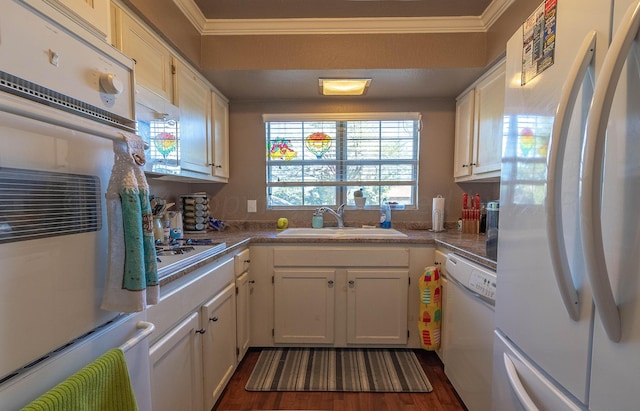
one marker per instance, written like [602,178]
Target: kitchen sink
[339,233]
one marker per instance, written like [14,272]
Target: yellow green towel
[102,385]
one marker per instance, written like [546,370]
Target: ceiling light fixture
[343,87]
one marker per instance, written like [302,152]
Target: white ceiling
[212,15]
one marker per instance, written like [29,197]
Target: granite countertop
[471,246]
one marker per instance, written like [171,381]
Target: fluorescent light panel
[343,87]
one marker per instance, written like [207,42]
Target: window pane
[320,196]
[397,172]
[361,172]
[285,196]
[320,172]
[285,173]
[400,194]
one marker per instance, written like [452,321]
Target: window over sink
[318,160]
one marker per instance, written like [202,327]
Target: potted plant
[358,197]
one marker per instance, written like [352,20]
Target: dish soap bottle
[317,220]
[385,214]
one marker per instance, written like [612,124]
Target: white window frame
[342,187]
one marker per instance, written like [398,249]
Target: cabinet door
[304,306]
[154,62]
[464,135]
[219,346]
[220,136]
[94,12]
[176,368]
[242,314]
[489,118]
[194,100]
[377,306]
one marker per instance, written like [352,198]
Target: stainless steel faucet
[338,214]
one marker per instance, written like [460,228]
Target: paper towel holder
[437,215]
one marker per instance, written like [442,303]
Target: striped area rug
[338,369]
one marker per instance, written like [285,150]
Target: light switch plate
[252,206]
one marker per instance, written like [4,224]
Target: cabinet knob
[201,331]
[214,319]
[351,282]
[465,165]
[247,261]
[473,164]
[437,263]
[252,281]
[330,282]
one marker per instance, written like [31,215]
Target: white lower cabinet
[242,262]
[304,306]
[334,296]
[176,368]
[243,289]
[377,306]
[218,322]
[193,351]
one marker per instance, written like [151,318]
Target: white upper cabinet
[479,128]
[95,13]
[463,151]
[194,101]
[155,64]
[220,130]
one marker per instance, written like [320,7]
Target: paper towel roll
[437,215]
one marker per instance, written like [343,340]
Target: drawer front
[242,262]
[340,256]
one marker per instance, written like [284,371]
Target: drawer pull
[201,331]
[214,319]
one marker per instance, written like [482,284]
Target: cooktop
[181,254]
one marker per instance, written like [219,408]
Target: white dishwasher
[469,326]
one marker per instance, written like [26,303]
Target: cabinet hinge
[408,333]
[409,280]
[273,332]
[273,279]
[237,351]
[237,291]
[173,69]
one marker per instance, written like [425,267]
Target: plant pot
[360,201]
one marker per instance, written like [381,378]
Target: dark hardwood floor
[442,398]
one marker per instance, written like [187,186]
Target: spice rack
[195,212]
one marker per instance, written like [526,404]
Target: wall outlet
[252,206]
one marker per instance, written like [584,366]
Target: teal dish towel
[103,385]
[132,272]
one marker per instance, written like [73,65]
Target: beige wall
[502,30]
[358,51]
[247,149]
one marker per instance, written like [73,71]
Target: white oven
[64,98]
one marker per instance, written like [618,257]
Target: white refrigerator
[567,303]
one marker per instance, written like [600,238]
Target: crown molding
[342,26]
[229,27]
